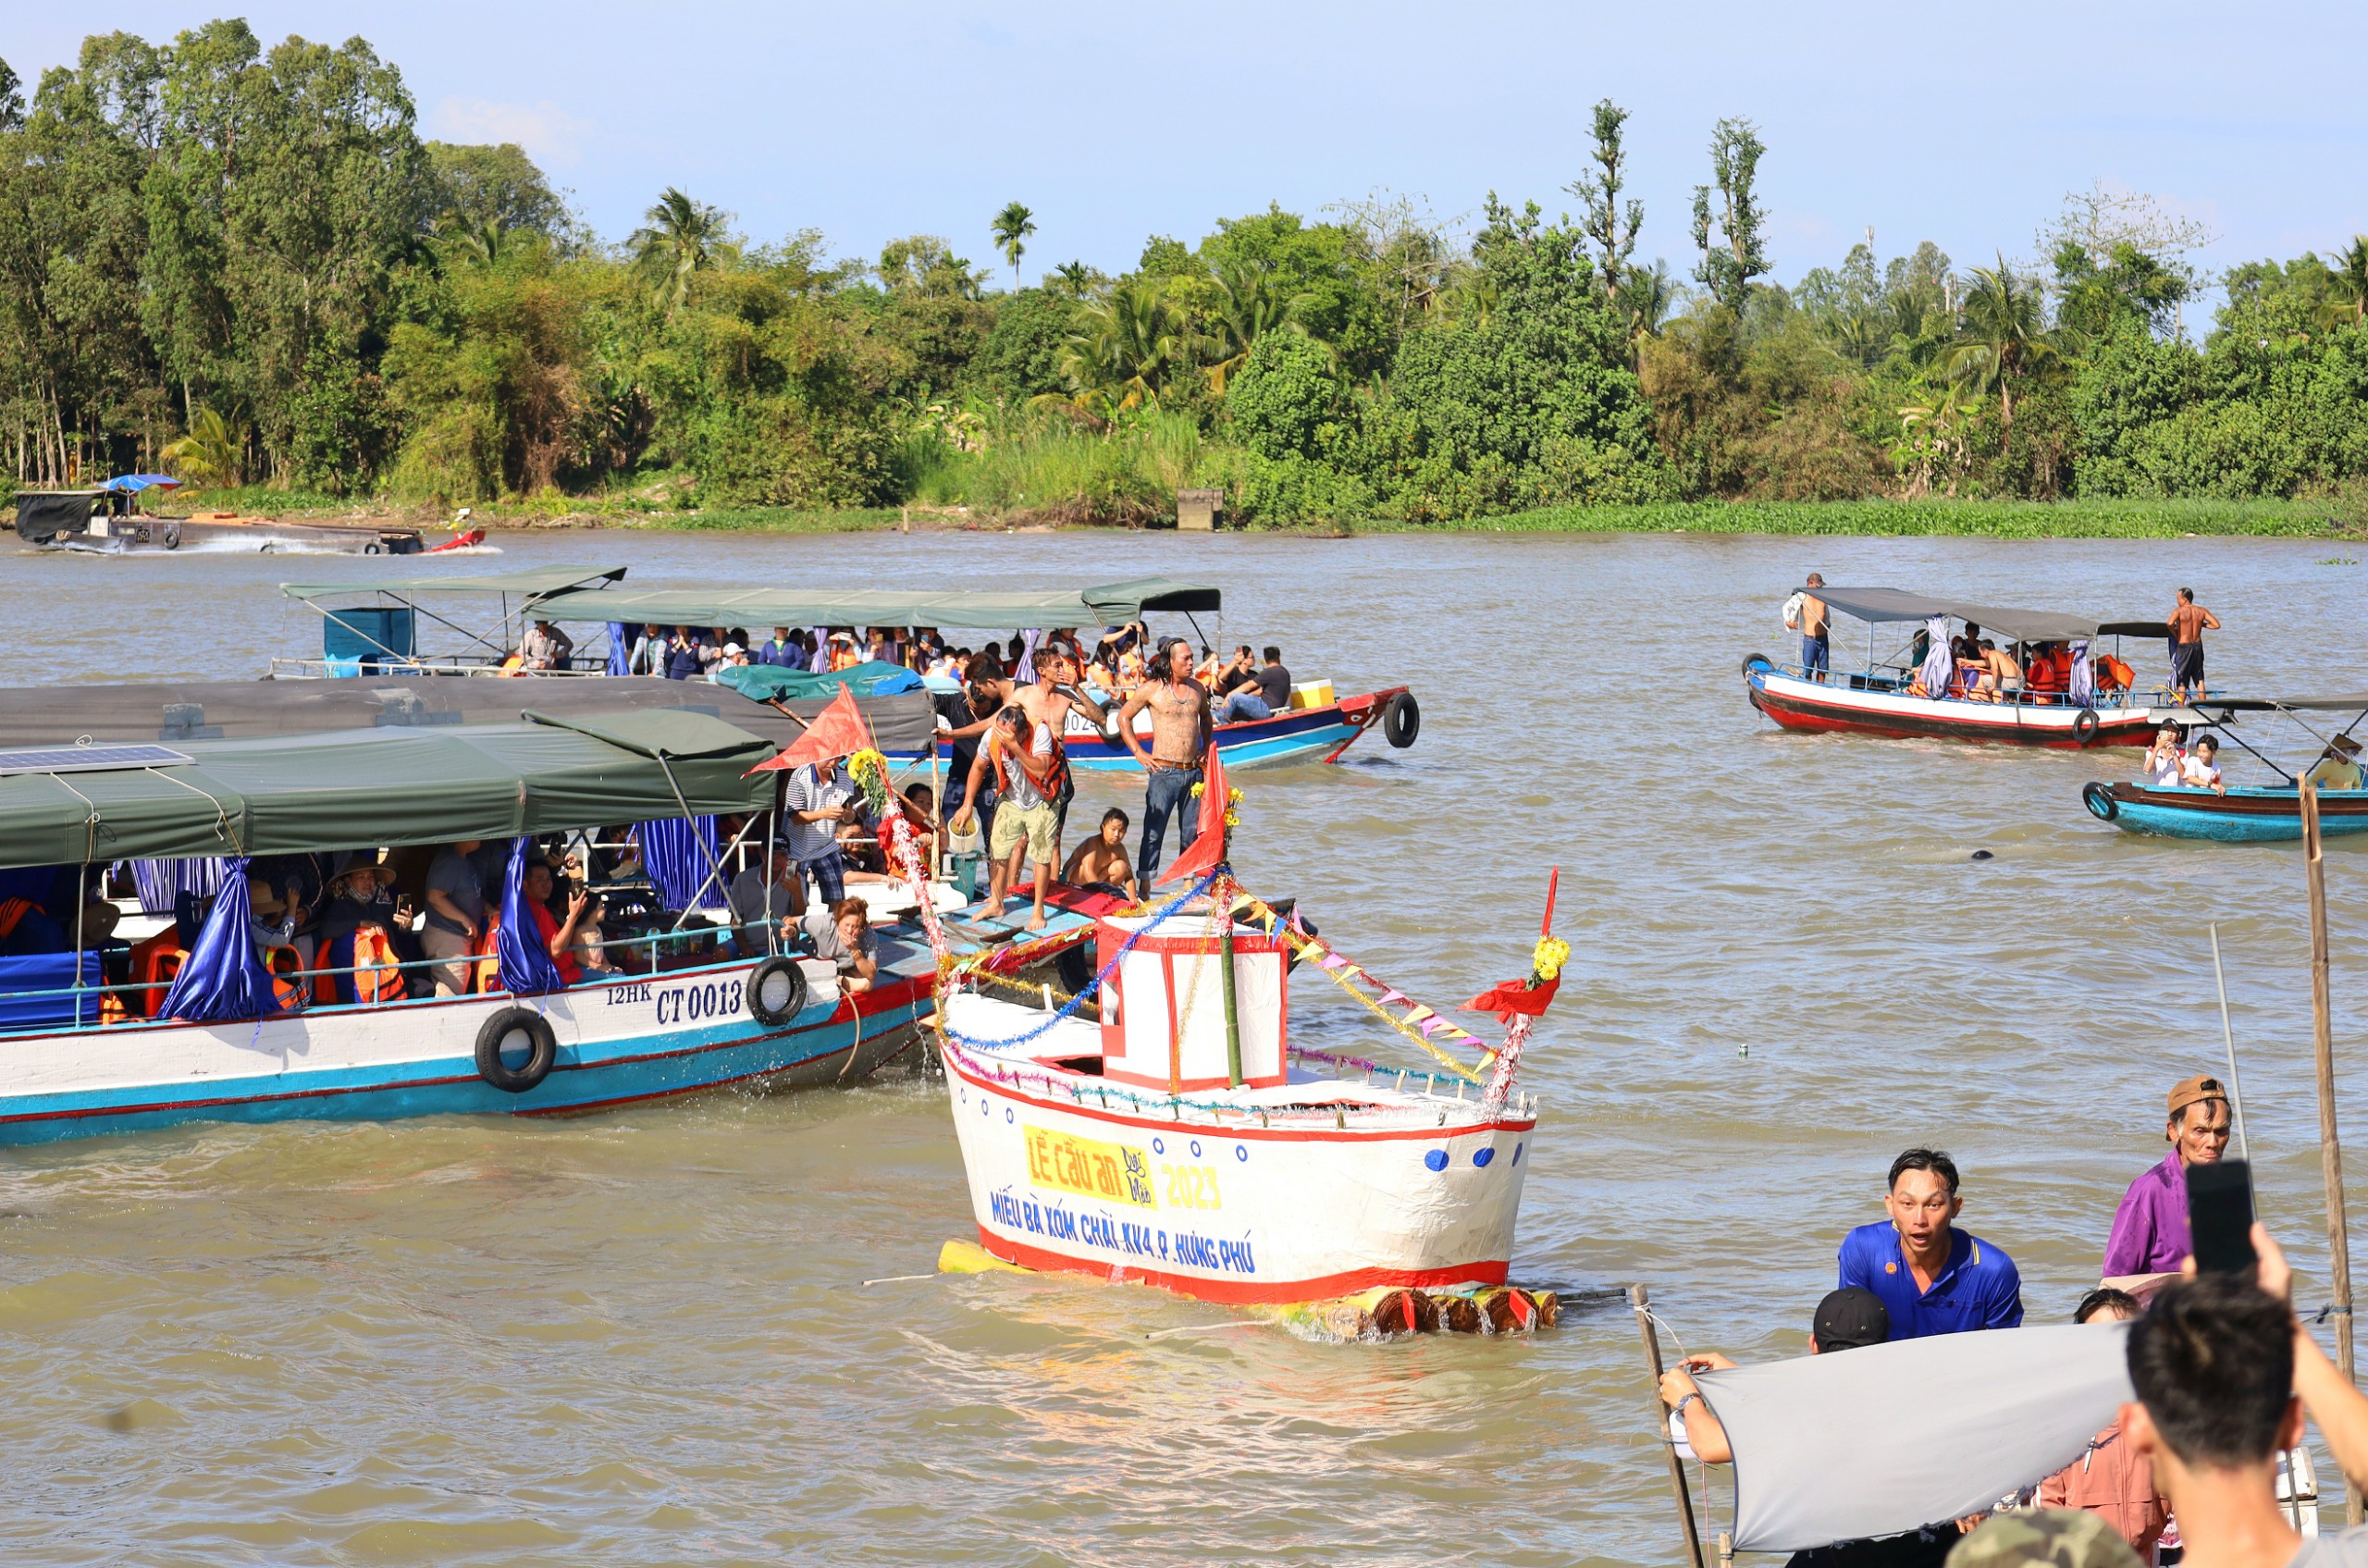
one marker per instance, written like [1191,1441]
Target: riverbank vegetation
[243,265]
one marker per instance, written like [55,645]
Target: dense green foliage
[242,263]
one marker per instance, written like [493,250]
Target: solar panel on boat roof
[88,758]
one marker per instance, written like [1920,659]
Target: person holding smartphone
[2150,1230]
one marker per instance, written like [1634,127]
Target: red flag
[837,730]
[1208,847]
[1514,996]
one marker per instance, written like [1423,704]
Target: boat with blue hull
[95,1039]
[2173,802]
[1317,727]
[2264,814]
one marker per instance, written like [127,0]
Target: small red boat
[1920,689]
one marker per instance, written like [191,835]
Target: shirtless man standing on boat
[1179,738]
[2190,621]
[1809,612]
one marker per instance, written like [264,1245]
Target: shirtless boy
[1102,859]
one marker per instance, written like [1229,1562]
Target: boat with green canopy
[1316,726]
[235,1010]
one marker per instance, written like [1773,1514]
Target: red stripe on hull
[1793,715]
[1281,1292]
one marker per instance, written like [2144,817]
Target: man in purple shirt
[2149,1232]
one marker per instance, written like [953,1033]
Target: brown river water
[643,1338]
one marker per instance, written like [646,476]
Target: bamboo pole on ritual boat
[2330,1142]
[1640,1299]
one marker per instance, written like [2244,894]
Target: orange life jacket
[287,978]
[11,911]
[376,976]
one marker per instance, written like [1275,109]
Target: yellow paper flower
[1233,796]
[1547,960]
[1196,791]
[1232,820]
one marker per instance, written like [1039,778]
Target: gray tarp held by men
[1894,1436]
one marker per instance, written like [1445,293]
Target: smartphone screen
[2220,1214]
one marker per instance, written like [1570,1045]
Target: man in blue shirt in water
[1932,1278]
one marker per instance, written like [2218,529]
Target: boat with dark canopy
[1917,688]
[2266,813]
[214,1017]
[113,520]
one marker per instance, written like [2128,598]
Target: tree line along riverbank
[462,338]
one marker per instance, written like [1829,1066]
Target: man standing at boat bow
[2190,621]
[1179,739]
[1809,612]
[1932,1278]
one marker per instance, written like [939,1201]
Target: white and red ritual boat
[1182,1140]
[1919,689]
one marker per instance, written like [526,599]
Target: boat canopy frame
[529,587]
[1100,605]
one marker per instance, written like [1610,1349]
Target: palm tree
[2003,338]
[679,239]
[212,455]
[1250,306]
[1647,296]
[1011,228]
[2351,278]
[1075,278]
[1935,431]
[1122,352]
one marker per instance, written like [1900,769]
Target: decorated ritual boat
[2250,813]
[1182,1139]
[209,1015]
[113,520]
[1919,689]
[1317,727]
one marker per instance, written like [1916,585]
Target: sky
[1966,127]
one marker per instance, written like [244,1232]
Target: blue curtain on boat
[1938,666]
[44,991]
[620,651]
[2082,688]
[527,966]
[161,883]
[679,855]
[224,979]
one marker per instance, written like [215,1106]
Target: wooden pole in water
[2330,1144]
[1639,1299]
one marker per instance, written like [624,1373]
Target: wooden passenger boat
[85,1055]
[2263,813]
[2259,814]
[1884,697]
[110,521]
[1319,732]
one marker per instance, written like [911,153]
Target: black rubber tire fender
[374,547]
[2084,725]
[1401,720]
[172,535]
[2099,799]
[502,1029]
[1757,662]
[776,992]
